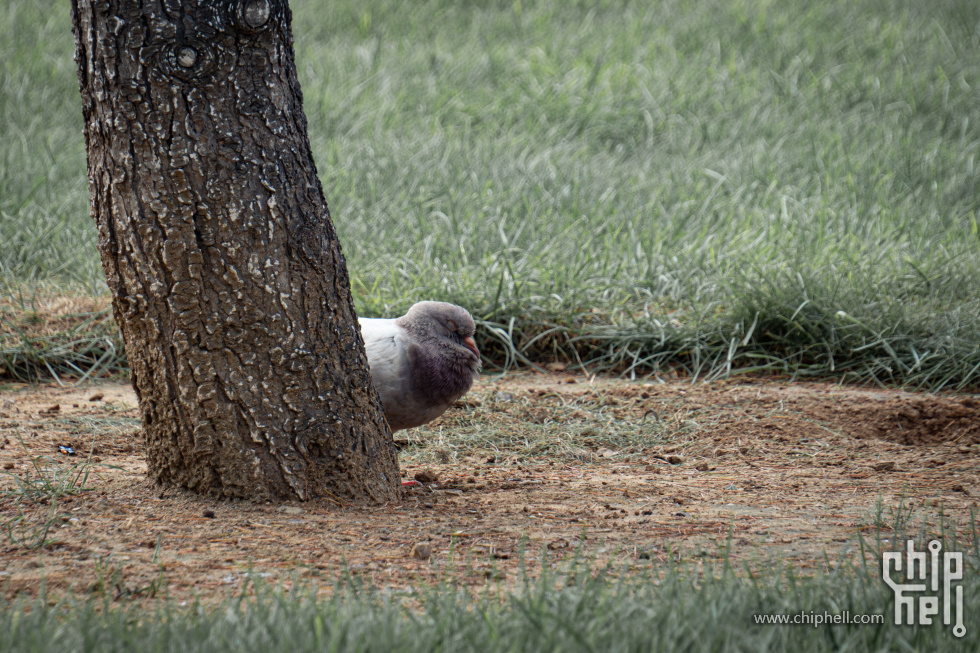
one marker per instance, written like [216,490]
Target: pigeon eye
[451,324]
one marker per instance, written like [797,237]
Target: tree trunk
[228,281]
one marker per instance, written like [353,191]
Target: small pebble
[426,476]
[421,551]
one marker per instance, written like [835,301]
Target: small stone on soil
[421,551]
[426,476]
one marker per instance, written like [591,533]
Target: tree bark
[228,282]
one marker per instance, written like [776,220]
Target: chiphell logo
[920,567]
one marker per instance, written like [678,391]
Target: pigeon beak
[471,345]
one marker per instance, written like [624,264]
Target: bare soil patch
[632,473]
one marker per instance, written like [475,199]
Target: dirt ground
[795,470]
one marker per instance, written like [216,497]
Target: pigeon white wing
[387,350]
[387,346]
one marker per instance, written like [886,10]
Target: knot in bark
[251,16]
[186,60]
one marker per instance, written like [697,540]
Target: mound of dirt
[908,419]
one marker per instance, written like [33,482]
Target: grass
[553,427]
[575,607]
[35,494]
[711,188]
[59,342]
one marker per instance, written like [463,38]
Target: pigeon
[421,362]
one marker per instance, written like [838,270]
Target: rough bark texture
[227,277]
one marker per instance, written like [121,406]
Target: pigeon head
[445,328]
